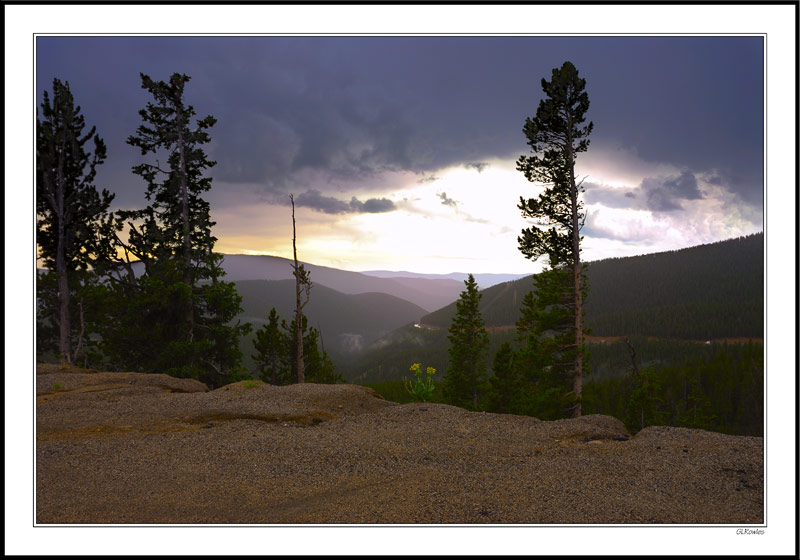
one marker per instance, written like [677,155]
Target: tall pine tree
[466,380]
[177,316]
[555,137]
[70,213]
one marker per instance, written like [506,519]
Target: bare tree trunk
[298,317]
[64,339]
[64,327]
[576,273]
[187,240]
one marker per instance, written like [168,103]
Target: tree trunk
[80,335]
[298,317]
[64,338]
[576,273]
[187,240]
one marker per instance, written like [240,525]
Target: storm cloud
[477,165]
[315,200]
[657,194]
[344,113]
[665,194]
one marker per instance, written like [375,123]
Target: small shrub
[251,384]
[57,386]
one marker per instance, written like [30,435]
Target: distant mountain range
[483,280]
[428,293]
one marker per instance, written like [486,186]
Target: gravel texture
[143,448]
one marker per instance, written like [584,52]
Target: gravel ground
[143,448]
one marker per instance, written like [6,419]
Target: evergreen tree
[177,316]
[465,380]
[70,215]
[271,353]
[504,384]
[319,368]
[555,136]
[645,405]
[547,345]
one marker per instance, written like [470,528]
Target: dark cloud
[665,194]
[658,194]
[447,201]
[372,205]
[330,205]
[317,201]
[429,179]
[479,165]
[344,110]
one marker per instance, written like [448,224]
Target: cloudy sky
[401,151]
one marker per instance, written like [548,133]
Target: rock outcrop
[146,448]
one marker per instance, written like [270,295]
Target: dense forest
[717,387]
[704,292]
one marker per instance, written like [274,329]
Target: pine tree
[547,345]
[319,368]
[271,355]
[504,383]
[177,316]
[70,212]
[555,137]
[465,380]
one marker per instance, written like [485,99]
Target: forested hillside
[664,302]
[704,292]
[347,322]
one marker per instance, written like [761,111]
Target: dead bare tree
[303,293]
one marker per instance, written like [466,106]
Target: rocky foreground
[147,448]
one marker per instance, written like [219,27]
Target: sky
[401,151]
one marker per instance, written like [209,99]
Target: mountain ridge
[347,322]
[638,292]
[702,293]
[430,294]
[485,280]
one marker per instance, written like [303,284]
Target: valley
[709,293]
